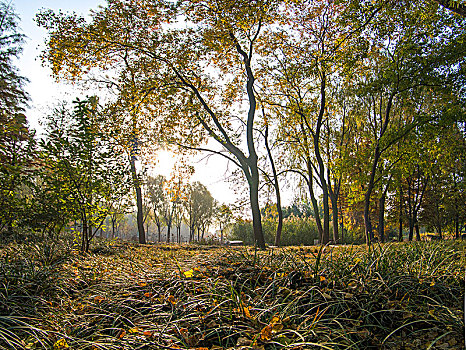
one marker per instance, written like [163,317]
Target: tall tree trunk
[416,227]
[341,224]
[256,214]
[334,193]
[381,226]
[336,238]
[375,163]
[84,236]
[411,228]
[137,187]
[113,227]
[320,162]
[367,197]
[276,186]
[400,216]
[312,196]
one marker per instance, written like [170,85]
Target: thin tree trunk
[320,162]
[315,205]
[334,192]
[416,227]
[411,228]
[256,214]
[168,231]
[381,226]
[276,186]
[367,198]
[400,216]
[137,187]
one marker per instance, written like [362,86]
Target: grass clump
[124,296]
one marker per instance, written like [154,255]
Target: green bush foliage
[296,231]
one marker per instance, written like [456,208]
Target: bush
[296,231]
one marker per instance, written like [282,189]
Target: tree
[156,193]
[414,56]
[81,166]
[224,218]
[172,67]
[16,140]
[199,209]
[303,71]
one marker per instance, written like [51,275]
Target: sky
[45,92]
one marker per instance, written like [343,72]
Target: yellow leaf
[121,334]
[171,299]
[189,273]
[266,333]
[322,278]
[134,330]
[148,294]
[142,284]
[246,312]
[61,344]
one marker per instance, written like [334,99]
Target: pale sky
[45,92]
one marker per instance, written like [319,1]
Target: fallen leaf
[266,333]
[148,334]
[171,299]
[189,273]
[61,344]
[98,299]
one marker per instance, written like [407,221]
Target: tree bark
[381,226]
[334,193]
[315,206]
[276,186]
[400,216]
[367,198]
[320,162]
[416,227]
[84,238]
[256,214]
[137,187]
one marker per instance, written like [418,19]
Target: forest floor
[128,296]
